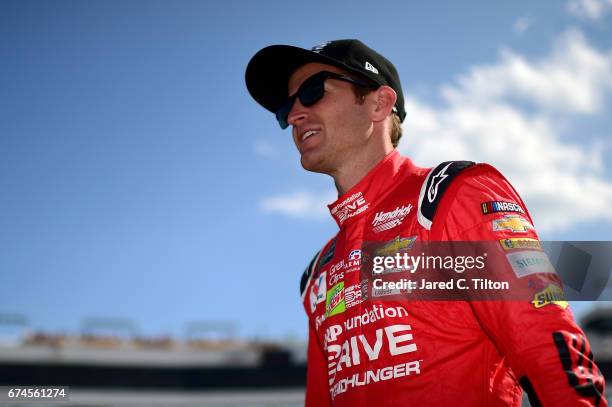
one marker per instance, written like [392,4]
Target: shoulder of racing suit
[321,258]
[432,190]
[306,276]
[435,184]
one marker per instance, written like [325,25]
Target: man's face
[335,129]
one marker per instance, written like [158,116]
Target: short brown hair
[396,125]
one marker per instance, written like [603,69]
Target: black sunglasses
[311,91]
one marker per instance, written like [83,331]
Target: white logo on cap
[319,48]
[370,67]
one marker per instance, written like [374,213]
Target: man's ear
[385,100]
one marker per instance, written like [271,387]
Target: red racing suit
[436,353]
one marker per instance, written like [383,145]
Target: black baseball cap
[268,72]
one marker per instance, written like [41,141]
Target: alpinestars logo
[351,206]
[388,220]
[436,180]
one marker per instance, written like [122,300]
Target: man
[371,347]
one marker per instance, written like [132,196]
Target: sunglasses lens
[283,112]
[309,93]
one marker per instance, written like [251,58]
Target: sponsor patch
[500,206]
[354,261]
[336,267]
[317,291]
[520,243]
[354,255]
[346,266]
[351,206]
[396,245]
[388,220]
[529,262]
[352,295]
[364,290]
[334,278]
[383,292]
[550,295]
[511,223]
[334,303]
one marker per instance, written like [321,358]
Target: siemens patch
[529,262]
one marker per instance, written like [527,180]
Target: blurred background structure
[138,179]
[109,364]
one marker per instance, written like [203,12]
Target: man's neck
[353,172]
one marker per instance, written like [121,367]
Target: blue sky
[139,180]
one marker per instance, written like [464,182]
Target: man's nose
[297,113]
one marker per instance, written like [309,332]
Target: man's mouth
[308,134]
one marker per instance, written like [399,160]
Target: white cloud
[300,204]
[522,25]
[265,149]
[483,121]
[589,9]
[573,79]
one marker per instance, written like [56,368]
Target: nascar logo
[500,206]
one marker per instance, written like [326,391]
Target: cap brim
[267,74]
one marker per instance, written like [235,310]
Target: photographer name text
[459,283]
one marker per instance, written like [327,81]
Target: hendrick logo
[388,220]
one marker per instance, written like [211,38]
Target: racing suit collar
[357,201]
